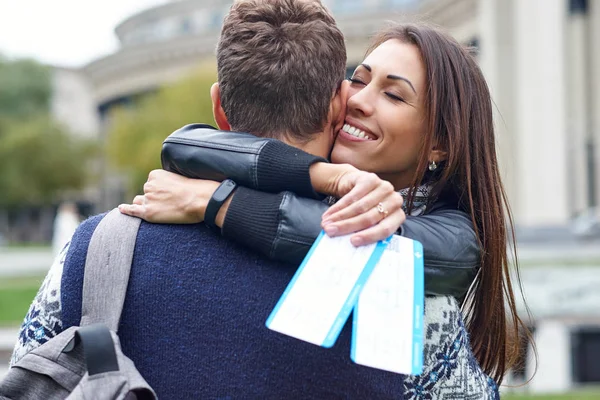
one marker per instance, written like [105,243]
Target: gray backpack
[86,362]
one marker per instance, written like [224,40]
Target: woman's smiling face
[385,121]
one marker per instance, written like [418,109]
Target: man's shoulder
[155,243]
[90,223]
[169,247]
[83,234]
[190,243]
[188,238]
[167,232]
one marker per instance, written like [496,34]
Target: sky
[66,33]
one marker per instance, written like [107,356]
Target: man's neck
[319,146]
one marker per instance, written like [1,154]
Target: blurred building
[540,59]
[72,102]
[73,105]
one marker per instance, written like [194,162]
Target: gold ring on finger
[381,209]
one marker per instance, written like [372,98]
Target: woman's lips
[356,133]
[351,138]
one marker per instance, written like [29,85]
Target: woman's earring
[432,166]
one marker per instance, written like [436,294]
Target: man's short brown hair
[279,63]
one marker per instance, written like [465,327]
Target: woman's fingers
[380,201]
[139,200]
[372,209]
[171,199]
[134,210]
[353,224]
[360,184]
[387,227]
[366,220]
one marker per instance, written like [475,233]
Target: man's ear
[337,108]
[218,112]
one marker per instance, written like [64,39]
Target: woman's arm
[374,215]
[451,250]
[283,226]
[200,151]
[451,253]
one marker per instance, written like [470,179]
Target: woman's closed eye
[394,97]
[357,81]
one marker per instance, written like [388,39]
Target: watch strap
[220,196]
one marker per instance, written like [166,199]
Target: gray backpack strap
[107,268]
[87,362]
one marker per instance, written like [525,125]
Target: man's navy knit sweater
[194,323]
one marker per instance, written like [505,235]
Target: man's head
[280,64]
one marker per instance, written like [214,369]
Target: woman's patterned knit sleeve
[43,320]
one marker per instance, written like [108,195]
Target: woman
[419,115]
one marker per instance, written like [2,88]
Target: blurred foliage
[136,133]
[26,88]
[38,160]
[15,298]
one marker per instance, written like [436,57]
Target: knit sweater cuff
[252,219]
[285,168]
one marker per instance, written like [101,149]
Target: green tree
[136,134]
[26,88]
[39,160]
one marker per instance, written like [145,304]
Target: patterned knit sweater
[153,315]
[450,371]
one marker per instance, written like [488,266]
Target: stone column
[553,342]
[497,61]
[578,126]
[593,52]
[540,146]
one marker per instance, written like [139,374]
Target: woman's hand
[172,199]
[368,206]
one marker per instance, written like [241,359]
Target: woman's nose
[361,102]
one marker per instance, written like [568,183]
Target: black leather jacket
[283,219]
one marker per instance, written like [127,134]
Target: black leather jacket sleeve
[283,225]
[201,151]
[451,251]
[450,248]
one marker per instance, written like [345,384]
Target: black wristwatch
[215,203]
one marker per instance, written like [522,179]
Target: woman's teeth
[355,132]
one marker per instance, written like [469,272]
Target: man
[193,320]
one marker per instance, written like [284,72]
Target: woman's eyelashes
[357,81]
[394,97]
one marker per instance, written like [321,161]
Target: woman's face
[385,120]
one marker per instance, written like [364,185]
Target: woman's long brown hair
[459,121]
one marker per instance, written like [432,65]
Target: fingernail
[356,241]
[331,230]
[326,222]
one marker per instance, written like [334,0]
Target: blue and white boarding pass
[324,290]
[388,319]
